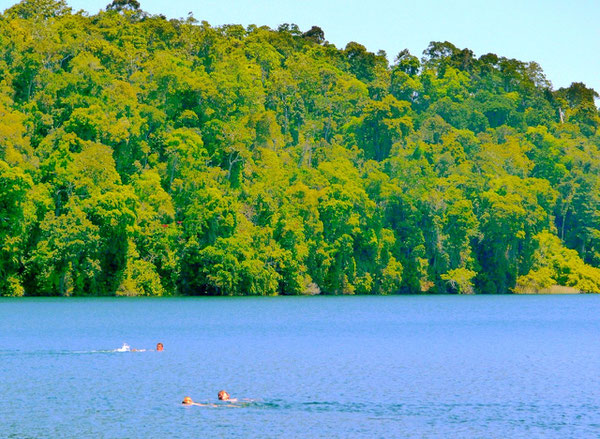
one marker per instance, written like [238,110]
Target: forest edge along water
[146,156]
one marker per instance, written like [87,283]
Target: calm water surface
[317,367]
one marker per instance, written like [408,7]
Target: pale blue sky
[562,36]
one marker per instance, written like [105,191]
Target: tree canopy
[147,156]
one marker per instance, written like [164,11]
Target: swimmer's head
[187,401]
[159,346]
[223,395]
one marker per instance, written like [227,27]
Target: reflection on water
[360,367]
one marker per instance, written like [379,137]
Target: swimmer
[188,401]
[224,396]
[159,346]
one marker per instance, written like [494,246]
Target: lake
[314,367]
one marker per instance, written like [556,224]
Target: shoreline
[323,296]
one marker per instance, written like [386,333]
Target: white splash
[124,348]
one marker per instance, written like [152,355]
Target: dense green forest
[141,155]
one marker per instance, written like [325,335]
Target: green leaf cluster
[147,156]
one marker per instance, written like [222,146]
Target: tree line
[141,155]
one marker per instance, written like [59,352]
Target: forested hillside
[146,156]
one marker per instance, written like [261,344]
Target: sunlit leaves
[146,156]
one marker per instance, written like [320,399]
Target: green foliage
[556,265]
[460,280]
[145,156]
[16,216]
[38,9]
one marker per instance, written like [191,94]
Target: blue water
[316,367]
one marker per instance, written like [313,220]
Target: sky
[562,36]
